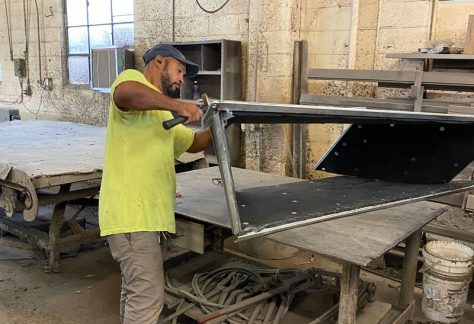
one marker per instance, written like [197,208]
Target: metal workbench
[44,163]
[354,241]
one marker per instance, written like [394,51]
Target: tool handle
[173,122]
[201,103]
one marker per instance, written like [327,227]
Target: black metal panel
[281,205]
[408,153]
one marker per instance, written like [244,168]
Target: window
[95,23]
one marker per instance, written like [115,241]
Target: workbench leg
[349,292]
[55,232]
[407,290]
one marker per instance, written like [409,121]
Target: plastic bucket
[447,272]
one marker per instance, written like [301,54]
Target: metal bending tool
[206,106]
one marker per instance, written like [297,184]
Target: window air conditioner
[107,63]
[8,114]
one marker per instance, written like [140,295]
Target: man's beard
[167,87]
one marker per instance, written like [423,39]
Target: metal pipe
[351,64]
[236,307]
[40,81]
[434,16]
[354,33]
[173,20]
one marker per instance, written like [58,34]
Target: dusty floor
[87,289]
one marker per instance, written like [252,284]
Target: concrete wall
[451,23]
[384,26]
[63,102]
[267,30]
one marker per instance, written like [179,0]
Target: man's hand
[189,110]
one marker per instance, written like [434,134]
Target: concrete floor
[87,289]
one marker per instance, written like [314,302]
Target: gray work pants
[141,262]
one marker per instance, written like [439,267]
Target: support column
[412,245]
[349,292]
[55,232]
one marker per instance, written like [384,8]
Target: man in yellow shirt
[138,188]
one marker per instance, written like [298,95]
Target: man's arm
[132,95]
[201,141]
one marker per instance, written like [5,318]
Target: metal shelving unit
[220,68]
[219,77]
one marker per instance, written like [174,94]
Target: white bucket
[447,272]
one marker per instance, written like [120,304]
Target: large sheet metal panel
[272,208]
[270,203]
[409,153]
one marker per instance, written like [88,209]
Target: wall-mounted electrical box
[19,66]
[107,63]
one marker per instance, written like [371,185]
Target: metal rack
[219,63]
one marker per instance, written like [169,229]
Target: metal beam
[397,79]
[255,112]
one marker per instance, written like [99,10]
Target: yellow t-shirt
[138,181]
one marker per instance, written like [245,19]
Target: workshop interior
[338,188]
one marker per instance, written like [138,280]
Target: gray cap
[167,50]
